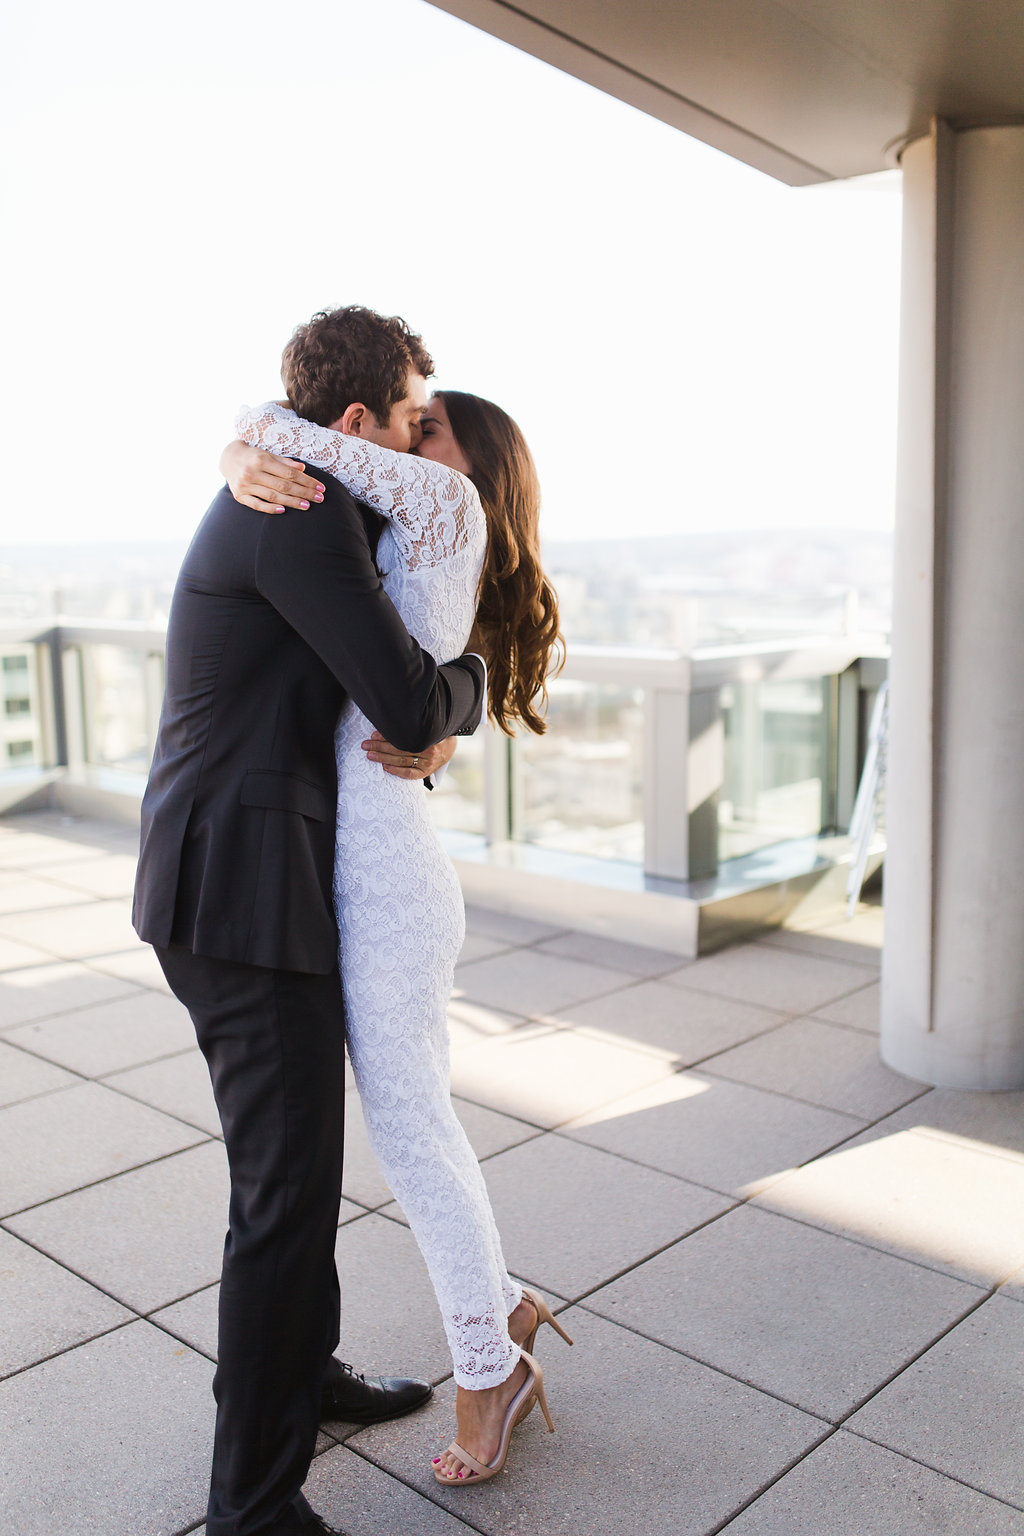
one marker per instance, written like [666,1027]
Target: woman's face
[438,441]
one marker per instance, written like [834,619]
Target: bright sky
[686,343]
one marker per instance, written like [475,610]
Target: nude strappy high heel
[531,1391]
[544,1315]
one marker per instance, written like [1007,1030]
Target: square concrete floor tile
[27,893]
[148,1237]
[16,955]
[124,1032]
[478,946]
[362,1179]
[990,1122]
[41,991]
[390,1324]
[613,1398]
[138,964]
[683,1026]
[571,1216]
[362,1500]
[28,847]
[866,926]
[193,1320]
[725,1135]
[506,927]
[958,1407]
[525,981]
[928,1196]
[74,933]
[471,1024]
[859,941]
[598,949]
[772,977]
[60,1142]
[23,1076]
[48,837]
[111,874]
[488,1131]
[1013,1288]
[179,1085]
[869,1491]
[546,1075]
[858,1011]
[364,1182]
[818,1320]
[110,1439]
[823,1064]
[44,1308]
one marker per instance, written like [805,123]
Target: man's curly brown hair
[348,356]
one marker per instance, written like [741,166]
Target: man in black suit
[275,623]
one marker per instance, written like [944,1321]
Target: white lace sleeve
[434,510]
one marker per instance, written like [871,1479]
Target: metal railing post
[497,785]
[683,762]
[54,701]
[846,755]
[705,777]
[75,739]
[153,681]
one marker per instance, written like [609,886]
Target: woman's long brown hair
[517,611]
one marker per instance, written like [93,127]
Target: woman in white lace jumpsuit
[399,905]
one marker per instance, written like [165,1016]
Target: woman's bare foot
[480,1418]
[521,1323]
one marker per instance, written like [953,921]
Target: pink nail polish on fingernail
[279,509]
[304,505]
[318,498]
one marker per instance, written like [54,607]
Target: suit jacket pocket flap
[283,792]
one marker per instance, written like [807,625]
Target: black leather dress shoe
[349,1395]
[298,1519]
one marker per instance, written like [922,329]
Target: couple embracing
[319,667]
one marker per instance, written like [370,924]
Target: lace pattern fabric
[434,511]
[400,913]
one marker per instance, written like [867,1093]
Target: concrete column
[953,968]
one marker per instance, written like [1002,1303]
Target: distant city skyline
[687,344]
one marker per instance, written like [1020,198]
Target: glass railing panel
[457,803]
[114,706]
[580,786]
[776,763]
[21,723]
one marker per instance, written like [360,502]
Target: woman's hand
[266,483]
[409,765]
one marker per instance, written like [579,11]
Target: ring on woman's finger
[415,762]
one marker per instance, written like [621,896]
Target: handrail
[684,719]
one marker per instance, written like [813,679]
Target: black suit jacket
[275,622]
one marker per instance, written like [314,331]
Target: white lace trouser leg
[401,1068]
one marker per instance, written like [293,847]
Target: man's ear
[353,421]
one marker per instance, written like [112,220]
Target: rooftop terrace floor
[795,1279]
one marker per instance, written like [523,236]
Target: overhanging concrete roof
[806,90]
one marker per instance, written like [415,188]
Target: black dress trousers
[274,1043]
